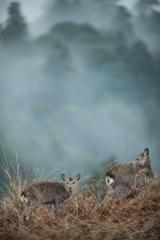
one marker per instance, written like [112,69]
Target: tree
[59,60]
[122,22]
[141,67]
[64,3]
[145,6]
[15,29]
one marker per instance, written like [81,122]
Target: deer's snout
[70,189]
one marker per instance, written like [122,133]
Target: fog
[79,84]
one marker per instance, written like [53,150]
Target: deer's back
[46,192]
[125,175]
[122,174]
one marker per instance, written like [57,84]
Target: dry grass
[80,217]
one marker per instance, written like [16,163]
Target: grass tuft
[84,216]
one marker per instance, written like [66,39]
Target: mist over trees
[84,87]
[15,29]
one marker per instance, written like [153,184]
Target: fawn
[49,192]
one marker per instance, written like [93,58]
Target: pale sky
[32,10]
[128,3]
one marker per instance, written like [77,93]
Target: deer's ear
[78,176]
[63,177]
[146,152]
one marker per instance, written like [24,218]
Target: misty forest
[82,91]
[79,94]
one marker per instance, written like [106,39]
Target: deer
[55,193]
[122,177]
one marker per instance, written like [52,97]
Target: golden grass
[81,217]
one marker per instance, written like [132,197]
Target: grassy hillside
[85,216]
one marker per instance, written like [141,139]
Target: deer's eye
[67,182]
[73,182]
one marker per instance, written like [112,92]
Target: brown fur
[49,192]
[46,192]
[126,175]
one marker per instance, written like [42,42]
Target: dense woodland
[74,93]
